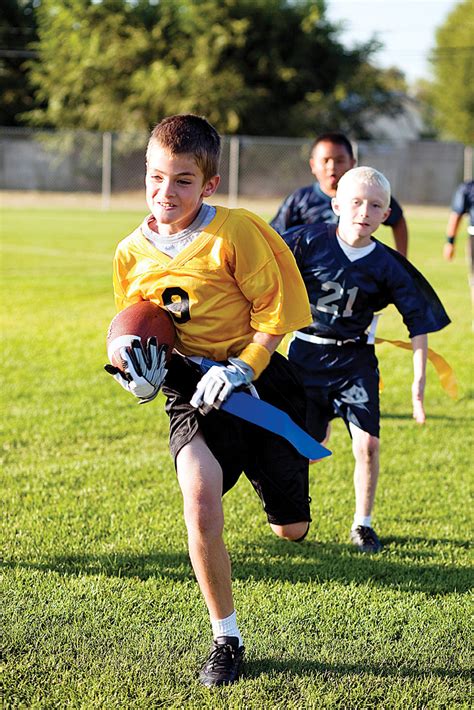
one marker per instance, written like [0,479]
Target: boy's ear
[211,185]
[386,214]
[335,206]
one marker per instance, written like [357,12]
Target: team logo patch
[355,395]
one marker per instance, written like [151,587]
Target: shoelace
[366,533]
[220,656]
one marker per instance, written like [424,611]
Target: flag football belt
[444,371]
[266,415]
[327,341]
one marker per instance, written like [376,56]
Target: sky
[405,27]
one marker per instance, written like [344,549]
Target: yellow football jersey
[238,276]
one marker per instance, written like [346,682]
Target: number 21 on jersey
[337,299]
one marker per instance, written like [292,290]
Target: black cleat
[224,662]
[365,539]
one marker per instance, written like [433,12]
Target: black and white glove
[144,370]
[219,382]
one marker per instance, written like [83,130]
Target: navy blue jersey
[344,295]
[310,205]
[463,200]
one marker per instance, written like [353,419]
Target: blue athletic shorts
[340,381]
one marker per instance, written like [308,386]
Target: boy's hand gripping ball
[140,340]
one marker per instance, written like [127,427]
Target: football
[140,320]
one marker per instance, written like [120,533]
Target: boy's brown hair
[188,133]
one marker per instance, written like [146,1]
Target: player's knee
[365,445]
[373,446]
[201,486]
[203,515]
[203,524]
[294,532]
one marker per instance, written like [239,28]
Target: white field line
[60,253]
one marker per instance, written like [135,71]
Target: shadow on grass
[279,560]
[430,417]
[254,669]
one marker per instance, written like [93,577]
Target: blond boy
[350,276]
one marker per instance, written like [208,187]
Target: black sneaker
[224,662]
[365,539]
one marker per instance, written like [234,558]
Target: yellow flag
[444,371]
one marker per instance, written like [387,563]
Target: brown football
[140,320]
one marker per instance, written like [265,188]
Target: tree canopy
[17,32]
[257,67]
[452,91]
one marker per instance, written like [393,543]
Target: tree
[87,54]
[452,91]
[17,30]
[261,67]
[423,95]
[354,102]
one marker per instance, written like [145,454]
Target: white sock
[226,627]
[364,520]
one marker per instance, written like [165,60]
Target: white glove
[219,382]
[144,371]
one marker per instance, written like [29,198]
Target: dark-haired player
[331,157]
[349,276]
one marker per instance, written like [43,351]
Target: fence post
[106,169]
[355,150]
[468,156]
[234,156]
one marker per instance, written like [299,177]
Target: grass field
[99,605]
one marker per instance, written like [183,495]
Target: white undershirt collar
[175,243]
[354,253]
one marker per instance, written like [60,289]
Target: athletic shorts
[277,472]
[340,381]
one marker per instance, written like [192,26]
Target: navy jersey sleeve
[463,200]
[304,206]
[284,218]
[459,202]
[414,297]
[295,240]
[395,214]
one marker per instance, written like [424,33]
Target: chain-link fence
[421,172]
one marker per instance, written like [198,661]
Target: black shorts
[278,473]
[341,381]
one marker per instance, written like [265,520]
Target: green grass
[98,602]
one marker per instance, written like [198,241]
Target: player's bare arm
[270,342]
[218,383]
[400,236]
[451,232]
[420,350]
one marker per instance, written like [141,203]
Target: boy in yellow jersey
[233,289]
